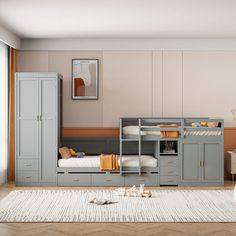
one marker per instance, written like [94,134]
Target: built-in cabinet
[201,162]
[194,157]
[37,127]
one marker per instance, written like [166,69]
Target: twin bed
[141,148]
[93,161]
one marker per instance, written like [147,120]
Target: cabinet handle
[202,163]
[170,172]
[28,177]
[170,181]
[75,180]
[28,164]
[108,180]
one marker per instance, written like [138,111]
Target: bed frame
[75,176]
[197,159]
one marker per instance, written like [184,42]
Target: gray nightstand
[231,163]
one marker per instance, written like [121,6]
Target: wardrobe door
[48,129]
[27,118]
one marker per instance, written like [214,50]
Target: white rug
[74,206]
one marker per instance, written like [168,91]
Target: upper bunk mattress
[93,161]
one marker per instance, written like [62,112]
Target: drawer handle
[28,164]
[141,180]
[108,180]
[75,180]
[170,172]
[28,177]
[170,162]
[170,181]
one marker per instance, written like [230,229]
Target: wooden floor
[103,229]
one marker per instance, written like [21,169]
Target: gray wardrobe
[38,122]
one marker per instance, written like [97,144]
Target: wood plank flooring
[124,229]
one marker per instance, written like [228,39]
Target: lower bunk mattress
[94,161]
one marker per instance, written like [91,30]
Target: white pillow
[132,130]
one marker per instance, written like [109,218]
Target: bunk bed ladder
[121,146]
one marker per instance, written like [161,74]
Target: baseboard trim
[91,132]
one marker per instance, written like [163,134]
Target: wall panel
[77,113]
[172,84]
[31,61]
[127,87]
[209,84]
[157,83]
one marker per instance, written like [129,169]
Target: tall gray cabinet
[37,127]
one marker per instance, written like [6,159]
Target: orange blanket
[169,134]
[109,162]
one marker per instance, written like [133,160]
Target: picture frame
[85,79]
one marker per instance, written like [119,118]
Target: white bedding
[93,161]
[134,130]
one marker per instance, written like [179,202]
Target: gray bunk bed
[193,157]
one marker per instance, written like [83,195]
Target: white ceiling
[119,18]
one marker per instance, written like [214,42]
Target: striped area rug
[74,206]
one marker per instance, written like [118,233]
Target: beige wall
[127,85]
[144,83]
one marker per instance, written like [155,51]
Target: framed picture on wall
[84,79]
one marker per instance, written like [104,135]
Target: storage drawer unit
[27,176]
[147,179]
[168,170]
[168,161]
[27,164]
[107,180]
[169,179]
[73,179]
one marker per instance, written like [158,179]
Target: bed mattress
[93,161]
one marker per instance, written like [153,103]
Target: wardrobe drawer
[107,180]
[73,179]
[27,176]
[147,179]
[168,180]
[27,164]
[169,170]
[168,161]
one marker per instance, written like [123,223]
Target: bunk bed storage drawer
[73,179]
[169,170]
[168,161]
[147,179]
[168,180]
[107,180]
[27,176]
